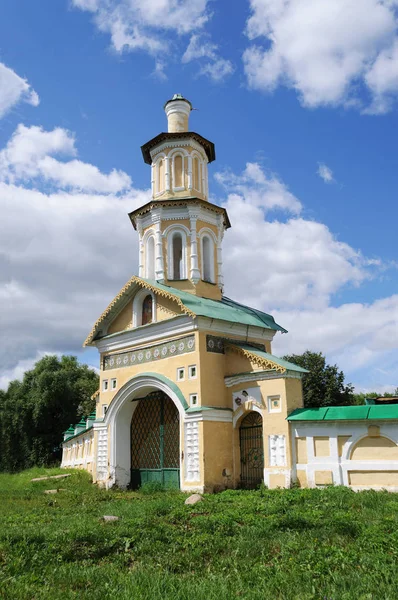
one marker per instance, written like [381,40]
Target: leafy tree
[324,384]
[35,412]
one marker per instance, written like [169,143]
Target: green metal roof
[279,361]
[224,309]
[345,413]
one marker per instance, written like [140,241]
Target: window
[105,385]
[192,372]
[147,310]
[193,399]
[104,409]
[113,384]
[160,182]
[178,172]
[196,174]
[144,308]
[207,259]
[150,258]
[180,374]
[274,404]
[177,256]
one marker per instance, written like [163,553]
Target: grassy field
[291,544]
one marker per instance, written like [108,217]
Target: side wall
[358,454]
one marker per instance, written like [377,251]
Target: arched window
[160,182]
[144,308]
[207,259]
[177,266]
[196,173]
[147,310]
[178,172]
[150,258]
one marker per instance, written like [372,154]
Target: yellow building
[190,393]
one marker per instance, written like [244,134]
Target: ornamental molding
[147,334]
[147,354]
[180,213]
[209,414]
[233,380]
[179,144]
[265,363]
[192,454]
[244,332]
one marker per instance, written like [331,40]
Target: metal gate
[251,450]
[155,441]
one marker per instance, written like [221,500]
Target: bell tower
[180,231]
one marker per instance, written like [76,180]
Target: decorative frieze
[102,454]
[149,354]
[277,450]
[215,344]
[192,463]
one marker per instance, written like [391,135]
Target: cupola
[180,231]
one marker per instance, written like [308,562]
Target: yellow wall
[218,456]
[323,477]
[123,320]
[321,446]
[301,450]
[373,478]
[378,448]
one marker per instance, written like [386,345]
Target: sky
[301,101]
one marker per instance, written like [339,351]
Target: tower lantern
[177,111]
[180,231]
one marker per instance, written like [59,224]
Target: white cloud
[14,89]
[215,67]
[326,50]
[293,269]
[141,24]
[258,189]
[325,173]
[28,156]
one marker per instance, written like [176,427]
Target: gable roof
[194,306]
[345,413]
[264,359]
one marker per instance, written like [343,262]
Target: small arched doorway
[251,451]
[155,441]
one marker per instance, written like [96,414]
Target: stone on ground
[51,477]
[194,499]
[110,518]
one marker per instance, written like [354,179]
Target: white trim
[137,307]
[214,414]
[105,385]
[118,419]
[147,334]
[173,213]
[178,144]
[194,399]
[189,372]
[176,226]
[270,399]
[205,232]
[232,380]
[178,378]
[247,331]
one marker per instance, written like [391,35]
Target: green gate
[251,451]
[155,441]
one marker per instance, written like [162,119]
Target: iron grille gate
[251,450]
[155,441]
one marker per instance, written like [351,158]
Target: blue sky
[288,91]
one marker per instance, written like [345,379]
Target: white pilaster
[167,173]
[153,167]
[141,252]
[159,261]
[219,255]
[194,274]
[189,172]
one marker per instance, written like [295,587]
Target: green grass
[324,544]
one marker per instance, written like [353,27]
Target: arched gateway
[155,441]
[251,450]
[145,427]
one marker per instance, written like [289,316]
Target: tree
[35,412]
[324,384]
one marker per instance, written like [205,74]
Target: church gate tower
[190,395]
[180,231]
